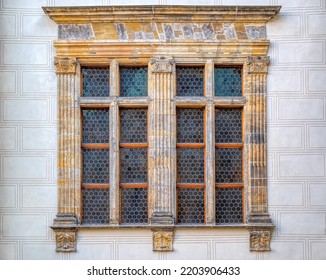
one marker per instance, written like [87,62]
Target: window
[191,127]
[162,122]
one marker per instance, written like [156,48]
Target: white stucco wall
[296,143]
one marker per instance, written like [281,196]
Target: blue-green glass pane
[228,81]
[133,81]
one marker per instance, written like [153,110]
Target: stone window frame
[109,36]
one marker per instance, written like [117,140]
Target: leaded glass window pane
[190,205]
[228,165]
[133,125]
[228,81]
[96,126]
[133,165]
[228,125]
[96,82]
[229,205]
[190,166]
[133,81]
[96,207]
[190,81]
[190,125]
[96,166]
[134,207]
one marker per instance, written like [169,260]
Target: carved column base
[64,227]
[163,239]
[66,239]
[162,218]
[260,218]
[260,238]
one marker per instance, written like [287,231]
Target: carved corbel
[163,239]
[65,65]
[66,239]
[162,64]
[258,64]
[260,239]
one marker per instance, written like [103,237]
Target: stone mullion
[162,152]
[255,145]
[161,142]
[114,145]
[210,145]
[68,155]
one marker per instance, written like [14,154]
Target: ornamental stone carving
[163,240]
[66,239]
[258,64]
[65,65]
[162,64]
[260,240]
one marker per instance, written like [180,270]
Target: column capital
[162,64]
[65,65]
[257,64]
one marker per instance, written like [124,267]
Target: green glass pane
[133,81]
[228,81]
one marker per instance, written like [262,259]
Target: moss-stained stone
[75,32]
[256,32]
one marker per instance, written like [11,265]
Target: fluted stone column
[255,144]
[162,151]
[68,155]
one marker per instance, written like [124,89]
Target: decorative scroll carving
[163,240]
[162,64]
[66,239]
[65,65]
[260,239]
[258,64]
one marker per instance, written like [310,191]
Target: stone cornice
[82,15]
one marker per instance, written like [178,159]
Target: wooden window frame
[91,36]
